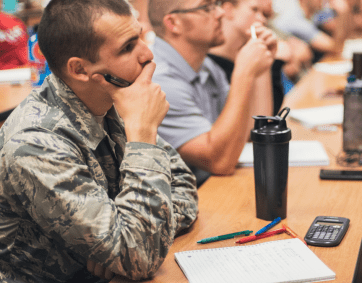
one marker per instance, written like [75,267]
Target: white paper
[317,116]
[271,262]
[15,75]
[301,153]
[334,68]
[352,46]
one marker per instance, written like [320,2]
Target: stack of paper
[317,116]
[270,262]
[301,153]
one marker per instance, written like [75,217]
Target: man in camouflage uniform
[84,178]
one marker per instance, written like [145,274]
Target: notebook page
[271,262]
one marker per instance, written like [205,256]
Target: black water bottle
[270,138]
[352,116]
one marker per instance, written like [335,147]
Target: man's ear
[76,69]
[172,24]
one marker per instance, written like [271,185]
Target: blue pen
[270,225]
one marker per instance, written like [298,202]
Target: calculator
[327,231]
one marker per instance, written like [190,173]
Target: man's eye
[129,47]
[207,7]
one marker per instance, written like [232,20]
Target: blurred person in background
[141,13]
[294,52]
[298,21]
[13,42]
[240,15]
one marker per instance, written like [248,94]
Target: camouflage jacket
[73,190]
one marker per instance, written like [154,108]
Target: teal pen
[224,237]
[267,227]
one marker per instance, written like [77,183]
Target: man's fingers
[147,72]
[263,32]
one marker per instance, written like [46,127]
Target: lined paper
[271,262]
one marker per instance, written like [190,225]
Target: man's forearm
[344,23]
[262,95]
[230,131]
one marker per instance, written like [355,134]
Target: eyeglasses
[207,8]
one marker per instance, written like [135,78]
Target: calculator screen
[329,223]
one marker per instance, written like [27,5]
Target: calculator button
[319,228]
[325,228]
[321,236]
[334,235]
[328,235]
[330,229]
[316,235]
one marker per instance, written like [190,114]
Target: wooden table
[12,95]
[227,204]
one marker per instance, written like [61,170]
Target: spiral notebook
[270,262]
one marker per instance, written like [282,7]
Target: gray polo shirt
[196,98]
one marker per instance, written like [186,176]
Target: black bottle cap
[271,129]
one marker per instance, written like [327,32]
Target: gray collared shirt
[196,98]
[72,191]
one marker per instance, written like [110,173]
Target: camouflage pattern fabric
[73,190]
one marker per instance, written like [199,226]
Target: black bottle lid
[271,129]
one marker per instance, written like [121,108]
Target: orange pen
[292,233]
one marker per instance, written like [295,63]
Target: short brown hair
[157,10]
[67,30]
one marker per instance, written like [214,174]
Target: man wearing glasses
[208,120]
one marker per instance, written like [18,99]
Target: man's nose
[145,54]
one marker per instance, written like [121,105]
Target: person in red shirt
[13,42]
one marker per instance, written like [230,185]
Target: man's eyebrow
[136,37]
